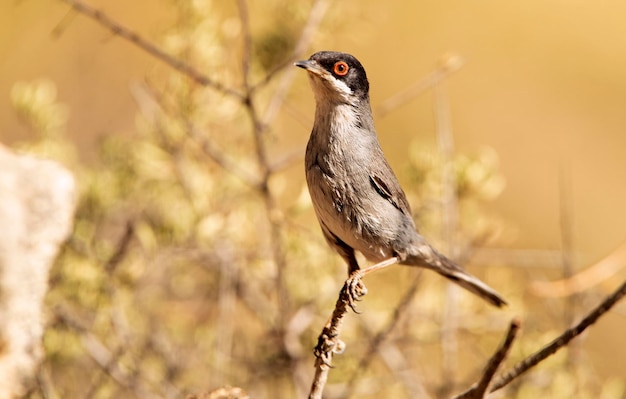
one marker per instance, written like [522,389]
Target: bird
[356,196]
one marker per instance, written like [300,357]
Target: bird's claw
[354,289]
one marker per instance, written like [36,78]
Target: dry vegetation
[195,262]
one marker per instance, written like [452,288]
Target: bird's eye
[340,68]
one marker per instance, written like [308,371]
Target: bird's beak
[311,66]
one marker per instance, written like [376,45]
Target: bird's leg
[354,288]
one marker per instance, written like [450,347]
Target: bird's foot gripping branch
[353,290]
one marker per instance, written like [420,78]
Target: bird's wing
[386,185]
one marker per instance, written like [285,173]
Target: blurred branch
[152,106]
[45,383]
[585,279]
[449,65]
[121,248]
[226,308]
[273,213]
[103,357]
[478,390]
[246,57]
[318,10]
[218,156]
[566,218]
[450,224]
[516,258]
[561,340]
[118,29]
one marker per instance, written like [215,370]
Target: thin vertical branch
[246,42]
[45,383]
[106,359]
[259,124]
[271,210]
[222,354]
[566,216]
[566,224]
[450,226]
[316,15]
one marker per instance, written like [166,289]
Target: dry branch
[119,30]
[448,65]
[478,390]
[328,342]
[585,279]
[562,340]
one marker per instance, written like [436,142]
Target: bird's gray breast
[338,162]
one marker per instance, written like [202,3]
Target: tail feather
[473,284]
[429,258]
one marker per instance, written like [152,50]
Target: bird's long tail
[429,258]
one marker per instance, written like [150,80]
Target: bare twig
[222,354]
[271,209]
[107,360]
[562,340]
[118,29]
[45,384]
[478,390]
[450,224]
[584,280]
[318,10]
[516,258]
[218,156]
[121,248]
[449,65]
[259,125]
[246,57]
[328,342]
[151,105]
[566,216]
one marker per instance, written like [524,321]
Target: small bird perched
[356,196]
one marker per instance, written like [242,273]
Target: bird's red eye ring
[340,68]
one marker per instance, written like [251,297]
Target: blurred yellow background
[543,83]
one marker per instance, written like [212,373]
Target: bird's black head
[338,72]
